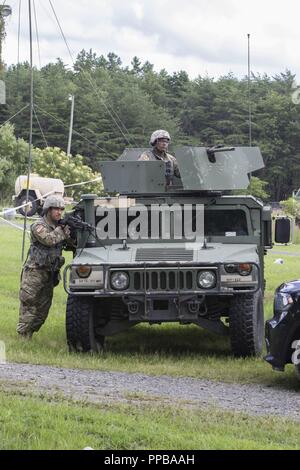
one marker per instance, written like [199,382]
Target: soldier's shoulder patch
[39,228]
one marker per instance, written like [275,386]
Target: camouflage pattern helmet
[161,134]
[54,201]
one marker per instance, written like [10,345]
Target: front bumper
[178,279]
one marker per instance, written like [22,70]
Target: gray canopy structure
[199,169]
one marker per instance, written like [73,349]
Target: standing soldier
[41,271]
[160,141]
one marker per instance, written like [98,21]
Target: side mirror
[283,230]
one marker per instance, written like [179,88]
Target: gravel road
[113,387]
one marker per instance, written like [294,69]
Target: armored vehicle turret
[189,250]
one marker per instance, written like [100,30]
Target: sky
[202,37]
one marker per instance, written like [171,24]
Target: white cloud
[200,36]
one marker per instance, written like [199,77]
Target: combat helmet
[160,134]
[54,201]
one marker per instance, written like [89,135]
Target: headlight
[83,271]
[230,268]
[207,279]
[243,269]
[87,277]
[119,281]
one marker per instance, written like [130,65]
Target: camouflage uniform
[172,168]
[40,274]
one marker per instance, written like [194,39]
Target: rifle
[75,223]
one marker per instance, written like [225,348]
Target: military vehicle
[137,262]
[39,189]
[283,330]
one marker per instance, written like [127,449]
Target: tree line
[118,107]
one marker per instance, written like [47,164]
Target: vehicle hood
[169,252]
[291,287]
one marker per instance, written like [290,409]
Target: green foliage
[48,162]
[117,107]
[13,156]
[257,188]
[291,207]
[54,163]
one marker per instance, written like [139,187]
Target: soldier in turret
[41,272]
[160,141]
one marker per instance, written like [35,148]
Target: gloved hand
[67,231]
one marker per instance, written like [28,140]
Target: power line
[37,34]
[75,132]
[43,111]
[15,115]
[92,82]
[42,132]
[14,225]
[44,137]
[30,125]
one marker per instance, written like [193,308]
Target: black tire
[246,325]
[80,326]
[33,206]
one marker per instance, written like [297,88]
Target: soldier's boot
[26,336]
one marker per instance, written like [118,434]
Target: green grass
[168,349]
[56,424]
[297,236]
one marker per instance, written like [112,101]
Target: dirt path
[112,387]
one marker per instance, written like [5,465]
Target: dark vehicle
[283,330]
[140,264]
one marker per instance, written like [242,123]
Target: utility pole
[5,11]
[30,126]
[71,98]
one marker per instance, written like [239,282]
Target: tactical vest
[48,258]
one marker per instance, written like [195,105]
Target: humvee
[190,252]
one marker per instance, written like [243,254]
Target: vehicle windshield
[111,225]
[220,223]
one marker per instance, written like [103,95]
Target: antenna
[249,92]
[72,99]
[30,127]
